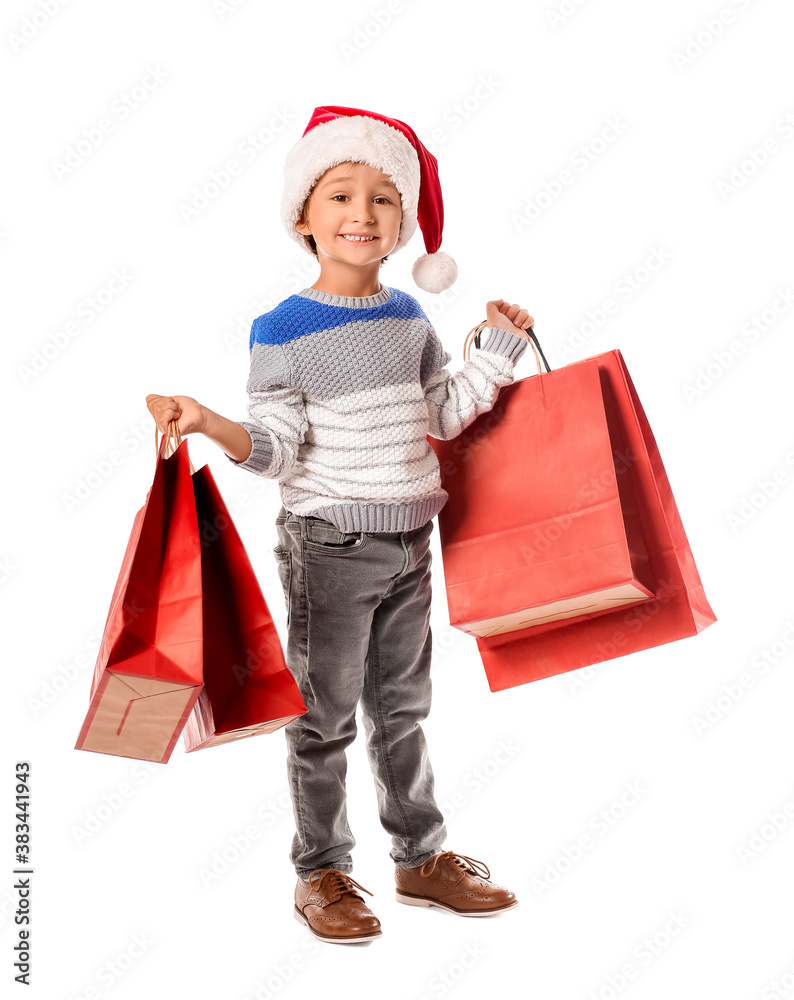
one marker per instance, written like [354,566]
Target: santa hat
[338,135]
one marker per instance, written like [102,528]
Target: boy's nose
[361,206]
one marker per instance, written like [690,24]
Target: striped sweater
[343,391]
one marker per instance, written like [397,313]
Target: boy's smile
[354,214]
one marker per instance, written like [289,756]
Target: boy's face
[352,199]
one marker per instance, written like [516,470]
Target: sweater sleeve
[278,414]
[455,400]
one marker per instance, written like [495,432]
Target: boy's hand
[508,317]
[190,414]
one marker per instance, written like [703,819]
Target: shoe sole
[332,940]
[424,901]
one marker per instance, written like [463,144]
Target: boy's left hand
[508,317]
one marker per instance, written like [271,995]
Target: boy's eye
[380,197]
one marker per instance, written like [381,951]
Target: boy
[346,380]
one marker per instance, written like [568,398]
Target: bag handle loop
[171,435]
[533,343]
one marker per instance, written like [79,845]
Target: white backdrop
[587,151]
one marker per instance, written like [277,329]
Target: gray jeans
[358,624]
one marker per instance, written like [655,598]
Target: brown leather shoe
[332,909]
[448,881]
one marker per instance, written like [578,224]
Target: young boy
[346,381]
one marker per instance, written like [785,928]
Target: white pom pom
[435,272]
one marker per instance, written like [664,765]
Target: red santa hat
[338,135]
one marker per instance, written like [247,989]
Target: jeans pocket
[321,534]
[284,561]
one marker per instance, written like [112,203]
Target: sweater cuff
[504,342]
[261,457]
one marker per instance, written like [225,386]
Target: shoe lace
[458,859]
[334,883]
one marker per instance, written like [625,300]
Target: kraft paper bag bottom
[261,707]
[592,604]
[258,730]
[138,717]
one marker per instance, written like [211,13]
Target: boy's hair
[309,240]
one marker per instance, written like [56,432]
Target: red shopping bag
[541,527]
[679,607]
[248,688]
[148,673]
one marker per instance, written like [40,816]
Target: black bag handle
[534,339]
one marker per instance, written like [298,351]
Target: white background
[691,101]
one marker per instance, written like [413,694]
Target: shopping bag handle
[533,343]
[170,435]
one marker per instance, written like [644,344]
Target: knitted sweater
[343,391]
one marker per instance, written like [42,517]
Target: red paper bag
[679,608]
[248,688]
[148,673]
[541,527]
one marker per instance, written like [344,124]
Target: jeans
[358,624]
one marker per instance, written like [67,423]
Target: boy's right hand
[191,416]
